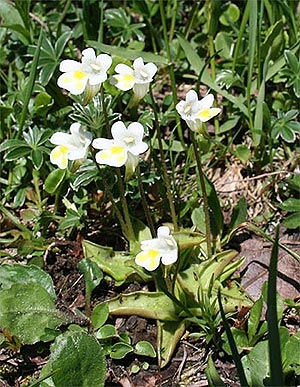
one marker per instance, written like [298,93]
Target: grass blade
[30,84]
[253,16]
[233,347]
[276,378]
[212,375]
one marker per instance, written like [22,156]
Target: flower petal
[206,114]
[59,156]
[118,131]
[163,231]
[149,259]
[169,257]
[123,81]
[74,81]
[122,68]
[88,55]
[102,143]
[69,65]
[191,96]
[206,102]
[60,138]
[115,156]
[104,61]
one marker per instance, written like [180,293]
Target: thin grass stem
[276,377]
[144,202]
[204,196]
[164,165]
[171,70]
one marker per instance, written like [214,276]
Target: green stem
[144,202]
[164,165]
[171,70]
[104,110]
[111,198]
[204,196]
[130,231]
[35,176]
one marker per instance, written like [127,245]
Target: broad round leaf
[77,360]
[144,348]
[29,312]
[12,274]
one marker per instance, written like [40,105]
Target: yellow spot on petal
[79,75]
[205,113]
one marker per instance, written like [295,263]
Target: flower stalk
[144,202]
[204,196]
[164,165]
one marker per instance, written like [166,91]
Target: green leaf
[9,13]
[240,338]
[27,91]
[292,221]
[229,124]
[230,15]
[37,158]
[18,153]
[291,60]
[272,33]
[107,331]
[291,204]
[154,305]
[76,359]
[92,274]
[243,152]
[27,305]
[99,315]
[61,43]
[14,274]
[42,103]
[46,73]
[256,364]
[119,265]
[254,319]
[11,144]
[212,375]
[144,348]
[169,333]
[120,350]
[126,53]
[288,134]
[54,180]
[239,214]
[223,44]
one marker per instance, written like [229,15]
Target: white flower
[124,147]
[194,112]
[72,146]
[137,78]
[163,248]
[90,73]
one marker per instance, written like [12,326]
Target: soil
[190,359]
